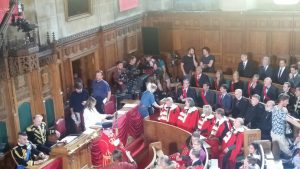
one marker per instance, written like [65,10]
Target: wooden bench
[171,137]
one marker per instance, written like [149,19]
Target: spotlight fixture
[286,2]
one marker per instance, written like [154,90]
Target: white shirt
[91,117]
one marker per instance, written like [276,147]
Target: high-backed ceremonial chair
[25,117]
[109,107]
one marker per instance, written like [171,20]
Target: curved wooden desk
[171,137]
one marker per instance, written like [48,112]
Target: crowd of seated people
[253,103]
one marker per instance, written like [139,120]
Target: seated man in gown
[185,91]
[231,145]
[224,100]
[38,132]
[92,118]
[25,153]
[206,121]
[182,157]
[119,163]
[169,112]
[188,117]
[206,96]
[219,130]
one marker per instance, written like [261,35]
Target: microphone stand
[116,117]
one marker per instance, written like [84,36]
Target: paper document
[130,105]
[68,139]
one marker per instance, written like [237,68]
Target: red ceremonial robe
[188,118]
[217,133]
[205,124]
[169,114]
[106,145]
[185,151]
[233,141]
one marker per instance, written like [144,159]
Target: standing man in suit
[246,67]
[254,112]
[253,87]
[294,77]
[269,92]
[265,70]
[281,75]
[199,78]
[286,90]
[207,97]
[265,124]
[186,91]
[240,104]
[224,100]
[296,112]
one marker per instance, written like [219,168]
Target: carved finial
[48,38]
[53,37]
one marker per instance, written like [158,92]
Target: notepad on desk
[130,105]
[68,139]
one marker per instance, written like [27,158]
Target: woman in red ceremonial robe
[108,142]
[169,112]
[188,117]
[219,80]
[182,157]
[236,83]
[219,130]
[206,121]
[231,145]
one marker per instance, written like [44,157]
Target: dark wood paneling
[229,34]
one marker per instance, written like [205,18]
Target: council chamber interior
[156,84]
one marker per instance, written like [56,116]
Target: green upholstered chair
[49,106]
[25,117]
[3,132]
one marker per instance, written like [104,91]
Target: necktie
[244,63]
[280,71]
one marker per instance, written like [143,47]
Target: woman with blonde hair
[90,114]
[148,100]
[236,83]
[206,121]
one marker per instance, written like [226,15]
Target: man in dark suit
[296,112]
[186,91]
[240,104]
[207,97]
[199,78]
[294,77]
[253,87]
[254,112]
[224,100]
[286,90]
[265,70]
[265,123]
[269,92]
[281,74]
[246,67]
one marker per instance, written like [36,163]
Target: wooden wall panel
[280,44]
[229,34]
[110,56]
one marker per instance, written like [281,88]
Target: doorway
[83,69]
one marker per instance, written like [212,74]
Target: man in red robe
[231,145]
[218,132]
[169,112]
[206,121]
[188,117]
[106,144]
[182,157]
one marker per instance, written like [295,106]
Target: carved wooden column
[56,90]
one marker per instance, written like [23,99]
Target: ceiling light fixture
[286,2]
